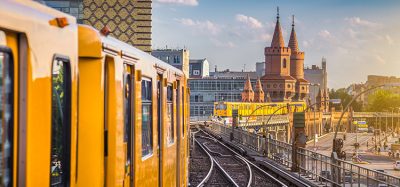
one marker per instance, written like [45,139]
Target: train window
[6,116]
[178,108]
[147,129]
[170,115]
[128,90]
[60,123]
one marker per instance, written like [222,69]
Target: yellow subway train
[80,108]
[246,109]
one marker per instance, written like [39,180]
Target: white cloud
[352,33]
[249,21]
[325,34]
[379,59]
[180,2]
[265,37]
[357,21]
[389,40]
[306,44]
[203,26]
[219,43]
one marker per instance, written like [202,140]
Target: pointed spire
[293,44]
[258,86]
[277,39]
[258,92]
[247,85]
[247,94]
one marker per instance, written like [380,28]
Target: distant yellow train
[245,109]
[79,108]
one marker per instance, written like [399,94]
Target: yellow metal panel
[90,44]
[91,123]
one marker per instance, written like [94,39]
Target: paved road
[381,161]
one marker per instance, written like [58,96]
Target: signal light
[105,31]
[59,22]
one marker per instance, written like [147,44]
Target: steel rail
[218,166]
[201,184]
[241,159]
[237,154]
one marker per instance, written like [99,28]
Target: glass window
[170,115]
[60,123]
[284,63]
[147,129]
[6,117]
[128,88]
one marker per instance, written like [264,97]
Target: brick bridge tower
[258,92]
[297,67]
[277,81]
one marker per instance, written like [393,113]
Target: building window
[6,116]
[60,123]
[289,86]
[147,129]
[196,72]
[170,116]
[284,63]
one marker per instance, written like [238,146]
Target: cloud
[265,37]
[306,44]
[249,21]
[325,34]
[379,59]
[357,21]
[352,33]
[219,43]
[203,26]
[180,2]
[389,40]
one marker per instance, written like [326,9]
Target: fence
[324,170]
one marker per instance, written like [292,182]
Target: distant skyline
[358,38]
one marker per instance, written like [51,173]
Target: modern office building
[317,75]
[178,58]
[219,86]
[128,20]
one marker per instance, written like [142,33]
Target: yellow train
[246,109]
[79,108]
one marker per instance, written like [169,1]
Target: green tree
[382,100]
[345,98]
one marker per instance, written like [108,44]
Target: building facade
[128,20]
[317,75]
[284,76]
[199,68]
[219,86]
[177,58]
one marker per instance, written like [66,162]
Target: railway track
[204,171]
[235,167]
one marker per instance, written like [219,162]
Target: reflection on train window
[147,129]
[170,115]
[6,117]
[127,112]
[60,124]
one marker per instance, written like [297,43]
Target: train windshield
[220,106]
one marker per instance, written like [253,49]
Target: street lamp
[315,101]
[349,104]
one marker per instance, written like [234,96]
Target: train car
[245,109]
[80,108]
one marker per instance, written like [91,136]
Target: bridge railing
[312,165]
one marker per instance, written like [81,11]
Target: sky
[357,38]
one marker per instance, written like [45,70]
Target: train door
[6,112]
[128,123]
[159,127]
[178,134]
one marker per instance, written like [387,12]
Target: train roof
[93,43]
